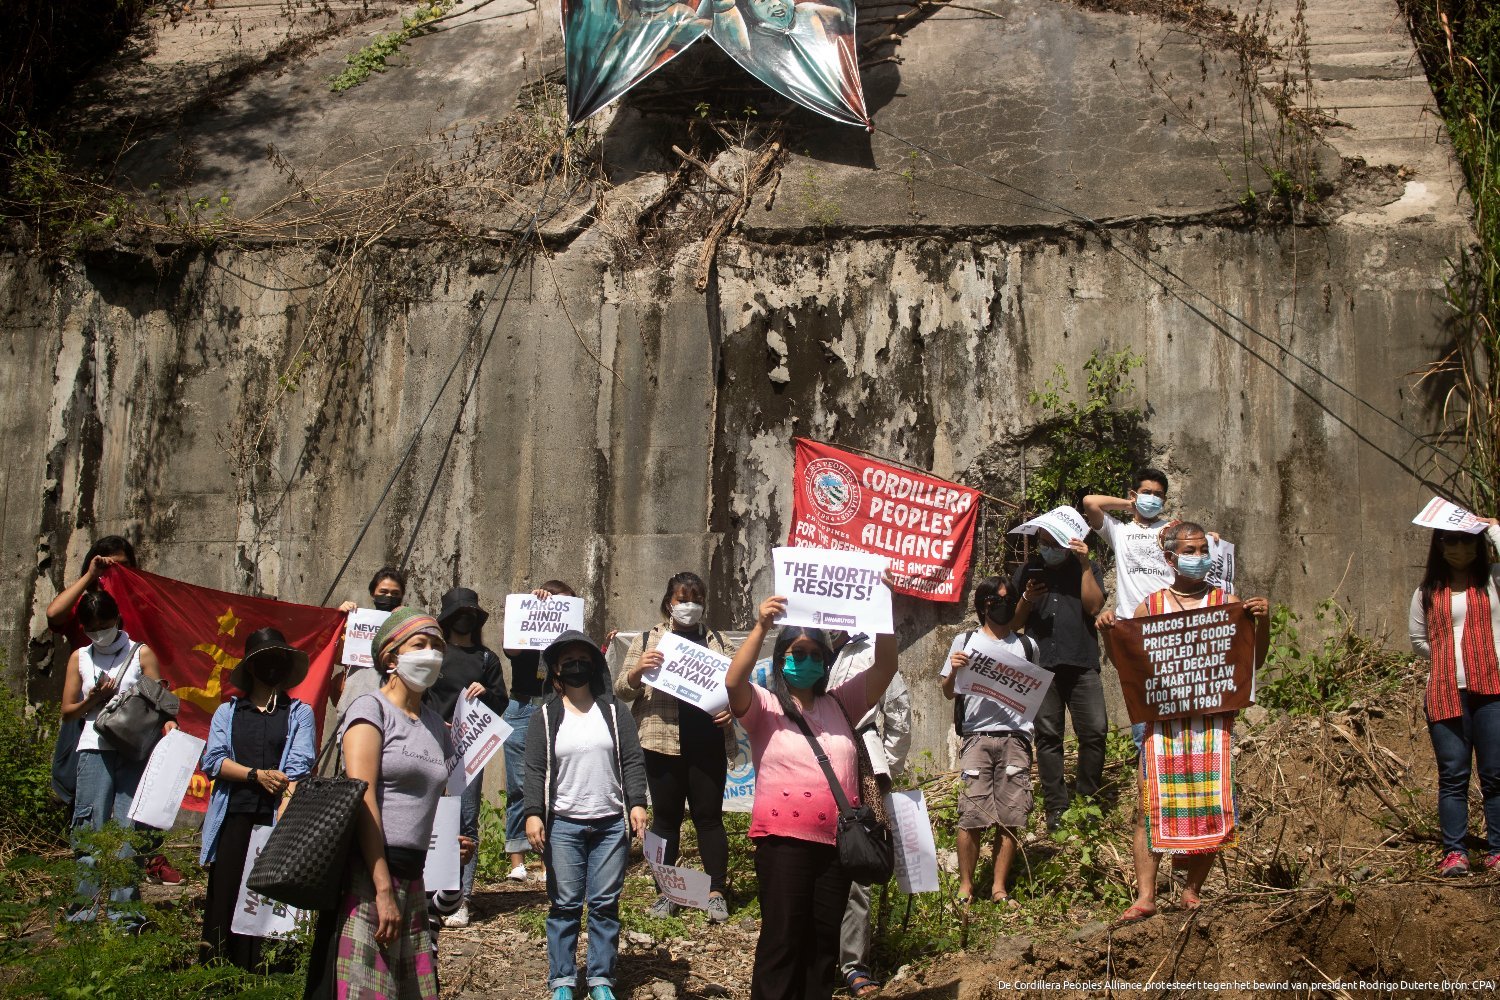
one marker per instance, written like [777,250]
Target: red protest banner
[198,636]
[923,524]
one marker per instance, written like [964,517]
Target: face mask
[463,623]
[272,674]
[1054,556]
[803,670]
[1194,567]
[687,615]
[105,637]
[1001,610]
[1457,554]
[384,603]
[419,668]
[1148,505]
[576,674]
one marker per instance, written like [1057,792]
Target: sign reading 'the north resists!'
[1185,663]
[923,525]
[833,589]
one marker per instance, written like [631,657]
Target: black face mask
[270,674]
[575,674]
[463,623]
[1001,610]
[384,603]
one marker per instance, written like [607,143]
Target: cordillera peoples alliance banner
[924,525]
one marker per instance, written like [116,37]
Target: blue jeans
[106,786]
[468,825]
[518,716]
[1472,737]
[585,863]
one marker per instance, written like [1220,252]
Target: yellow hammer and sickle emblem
[210,694]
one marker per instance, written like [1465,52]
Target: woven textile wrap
[304,859]
[405,969]
[1189,796]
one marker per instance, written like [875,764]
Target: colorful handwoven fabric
[1189,795]
[402,970]
[1187,788]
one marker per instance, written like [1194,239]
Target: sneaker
[458,918]
[1455,864]
[1492,862]
[718,909]
[562,993]
[601,993]
[160,871]
[662,908]
[518,874]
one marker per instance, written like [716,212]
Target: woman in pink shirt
[802,887]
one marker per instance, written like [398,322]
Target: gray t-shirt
[414,759]
[981,715]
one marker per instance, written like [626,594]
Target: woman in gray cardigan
[585,794]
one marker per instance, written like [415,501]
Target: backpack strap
[1028,646]
[958,699]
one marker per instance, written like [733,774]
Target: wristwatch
[251,777]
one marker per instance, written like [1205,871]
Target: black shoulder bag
[866,851]
[304,859]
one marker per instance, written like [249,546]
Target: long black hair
[777,681]
[110,545]
[1439,574]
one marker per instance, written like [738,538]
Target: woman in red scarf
[1455,622]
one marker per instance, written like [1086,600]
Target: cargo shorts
[996,770]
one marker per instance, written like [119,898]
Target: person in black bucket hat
[585,797]
[470,667]
[260,744]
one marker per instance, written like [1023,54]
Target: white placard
[159,793]
[1440,514]
[826,588]
[691,673]
[916,853]
[256,915]
[532,623]
[443,872]
[1221,570]
[478,734]
[683,886]
[359,628]
[996,673]
[1064,524]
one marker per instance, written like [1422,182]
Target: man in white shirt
[886,733]
[1140,566]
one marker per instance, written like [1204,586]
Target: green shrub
[1302,677]
[30,818]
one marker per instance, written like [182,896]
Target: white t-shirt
[93,665]
[1140,565]
[587,787]
[982,715]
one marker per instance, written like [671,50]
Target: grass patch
[375,57]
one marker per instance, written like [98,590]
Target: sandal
[861,984]
[1004,899]
[1135,915]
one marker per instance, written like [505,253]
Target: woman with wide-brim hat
[260,745]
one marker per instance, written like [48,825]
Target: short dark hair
[985,591]
[1173,535]
[558,589]
[784,639]
[1155,475]
[388,573]
[97,606]
[110,545]
[687,579]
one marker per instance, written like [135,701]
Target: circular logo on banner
[833,490]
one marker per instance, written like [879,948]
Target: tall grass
[1459,41]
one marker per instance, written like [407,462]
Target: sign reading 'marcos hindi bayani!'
[1194,662]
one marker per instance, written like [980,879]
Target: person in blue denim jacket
[259,747]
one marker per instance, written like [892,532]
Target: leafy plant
[374,58]
[30,818]
[1089,445]
[1308,678]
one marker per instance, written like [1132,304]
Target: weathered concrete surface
[623,426]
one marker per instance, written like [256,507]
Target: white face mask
[105,637]
[419,668]
[687,615]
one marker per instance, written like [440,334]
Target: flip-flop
[1005,899]
[861,984]
[1135,915]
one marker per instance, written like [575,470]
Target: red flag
[925,525]
[198,636]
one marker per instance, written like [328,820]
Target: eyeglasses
[574,663]
[803,656]
[1458,538]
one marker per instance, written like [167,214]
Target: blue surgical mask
[803,670]
[1194,567]
[1054,556]
[1148,504]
